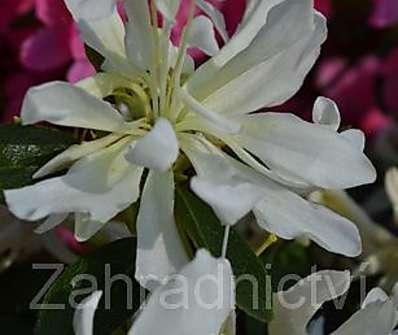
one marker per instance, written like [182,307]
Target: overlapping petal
[105,32]
[378,317]
[305,151]
[160,252]
[272,67]
[289,216]
[157,150]
[101,184]
[83,321]
[202,35]
[233,190]
[326,113]
[187,304]
[229,187]
[138,39]
[294,308]
[67,105]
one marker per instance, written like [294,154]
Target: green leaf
[286,258]
[25,149]
[94,57]
[205,230]
[119,257]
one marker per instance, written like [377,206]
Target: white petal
[230,325]
[219,121]
[83,321]
[138,38]
[67,105]
[73,153]
[355,137]
[376,318]
[373,235]
[157,150]
[216,17]
[289,145]
[294,308]
[209,301]
[374,296]
[248,87]
[168,8]
[229,191]
[202,35]
[271,69]
[106,34]
[256,17]
[229,187]
[51,222]
[102,184]
[289,216]
[247,158]
[102,84]
[160,251]
[391,185]
[326,113]
[93,9]
[317,327]
[85,228]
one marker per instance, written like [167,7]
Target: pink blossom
[325,7]
[385,13]
[68,238]
[354,90]
[11,9]
[232,10]
[389,73]
[45,50]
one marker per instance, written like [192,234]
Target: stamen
[154,80]
[176,77]
[267,243]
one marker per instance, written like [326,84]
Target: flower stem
[225,241]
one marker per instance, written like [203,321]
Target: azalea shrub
[199,166]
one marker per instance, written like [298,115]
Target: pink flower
[389,73]
[325,7]
[354,90]
[11,9]
[56,44]
[385,13]
[232,10]
[44,49]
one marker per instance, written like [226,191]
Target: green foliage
[286,258]
[25,149]
[205,230]
[119,256]
[282,258]
[94,57]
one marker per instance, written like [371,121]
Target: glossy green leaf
[25,149]
[286,258]
[94,57]
[254,291]
[114,260]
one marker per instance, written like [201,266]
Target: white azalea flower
[294,308]
[380,247]
[200,112]
[188,309]
[391,183]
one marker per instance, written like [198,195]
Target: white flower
[391,183]
[294,308]
[163,109]
[181,306]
